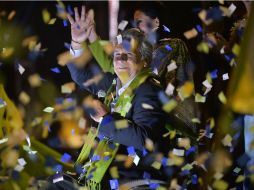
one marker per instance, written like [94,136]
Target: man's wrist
[76,45]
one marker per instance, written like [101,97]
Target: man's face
[144,22]
[125,63]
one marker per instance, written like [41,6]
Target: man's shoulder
[151,86]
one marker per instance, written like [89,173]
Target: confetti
[172,66]
[203,16]
[168,47]
[24,98]
[19,168]
[52,21]
[178,152]
[220,184]
[203,47]
[236,49]
[186,90]
[55,70]
[11,15]
[149,144]
[231,9]
[65,23]
[222,97]
[237,170]
[147,106]
[114,184]
[101,94]
[214,74]
[48,109]
[156,165]
[4,140]
[57,177]
[2,103]
[21,161]
[45,16]
[121,124]
[34,80]
[227,140]
[114,172]
[131,151]
[240,179]
[190,33]
[195,120]
[218,175]
[170,89]
[222,50]
[66,157]
[169,106]
[199,28]
[68,88]
[199,98]
[184,142]
[82,123]
[122,25]
[146,175]
[6,52]
[225,76]
[119,39]
[136,160]
[166,29]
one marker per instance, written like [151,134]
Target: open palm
[81,26]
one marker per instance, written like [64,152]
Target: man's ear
[157,22]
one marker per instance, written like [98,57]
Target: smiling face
[145,23]
[126,64]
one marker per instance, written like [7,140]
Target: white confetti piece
[225,76]
[19,168]
[119,39]
[48,109]
[222,50]
[60,178]
[226,141]
[170,89]
[172,66]
[147,106]
[21,161]
[207,84]
[136,160]
[4,140]
[28,141]
[178,152]
[101,93]
[231,9]
[21,69]
[122,24]
[82,123]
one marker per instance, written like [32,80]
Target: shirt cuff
[76,52]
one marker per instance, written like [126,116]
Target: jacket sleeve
[105,62]
[144,123]
[84,74]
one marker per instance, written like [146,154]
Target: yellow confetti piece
[218,175]
[184,142]
[195,120]
[203,15]
[34,80]
[226,141]
[203,47]
[156,165]
[190,33]
[11,15]
[199,98]
[114,172]
[168,107]
[186,90]
[121,124]
[239,179]
[172,134]
[68,88]
[24,98]
[236,49]
[6,52]
[222,97]
[149,144]
[187,167]
[220,185]
[52,21]
[45,16]
[212,123]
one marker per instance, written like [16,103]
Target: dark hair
[151,9]
[143,48]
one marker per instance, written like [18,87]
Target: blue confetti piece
[214,74]
[131,150]
[66,157]
[55,70]
[58,168]
[163,97]
[190,150]
[114,184]
[185,172]
[154,185]
[78,169]
[194,179]
[59,100]
[106,158]
[15,175]
[95,158]
[2,102]
[168,47]
[72,131]
[146,175]
[164,161]
[69,10]
[65,23]
[144,152]
[166,29]
[199,28]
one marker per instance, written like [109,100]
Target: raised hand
[82,26]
